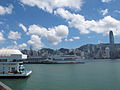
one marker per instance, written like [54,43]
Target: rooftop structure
[10,66]
[11,54]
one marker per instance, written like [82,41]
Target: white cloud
[72,39]
[1,37]
[66,39]
[23,27]
[35,41]
[75,20]
[54,35]
[50,5]
[2,31]
[22,46]
[76,37]
[106,1]
[106,24]
[61,30]
[14,35]
[1,22]
[104,12]
[91,36]
[37,30]
[117,11]
[86,26]
[14,42]
[6,10]
[54,39]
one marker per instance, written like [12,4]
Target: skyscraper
[111,36]
[112,48]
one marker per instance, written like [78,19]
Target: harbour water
[97,75]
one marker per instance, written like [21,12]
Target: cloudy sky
[57,23]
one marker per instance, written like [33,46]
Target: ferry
[10,65]
[13,69]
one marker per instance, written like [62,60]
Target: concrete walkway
[4,87]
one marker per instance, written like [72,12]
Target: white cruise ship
[9,66]
[64,59]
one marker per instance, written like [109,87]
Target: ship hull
[28,73]
[62,62]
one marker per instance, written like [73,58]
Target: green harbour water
[98,75]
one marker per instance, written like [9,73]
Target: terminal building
[11,54]
[10,66]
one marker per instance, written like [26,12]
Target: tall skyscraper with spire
[111,36]
[112,48]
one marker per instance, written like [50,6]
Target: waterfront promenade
[4,87]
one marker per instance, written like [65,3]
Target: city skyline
[57,24]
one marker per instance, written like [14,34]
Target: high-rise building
[107,52]
[111,36]
[112,47]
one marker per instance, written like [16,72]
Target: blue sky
[57,23]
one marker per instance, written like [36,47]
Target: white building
[107,51]
[7,65]
[11,54]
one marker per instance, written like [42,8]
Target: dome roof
[8,52]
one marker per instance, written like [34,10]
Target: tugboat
[10,66]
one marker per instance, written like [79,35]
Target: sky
[57,23]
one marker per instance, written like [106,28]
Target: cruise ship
[66,57]
[9,64]
[63,59]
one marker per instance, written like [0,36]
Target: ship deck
[26,74]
